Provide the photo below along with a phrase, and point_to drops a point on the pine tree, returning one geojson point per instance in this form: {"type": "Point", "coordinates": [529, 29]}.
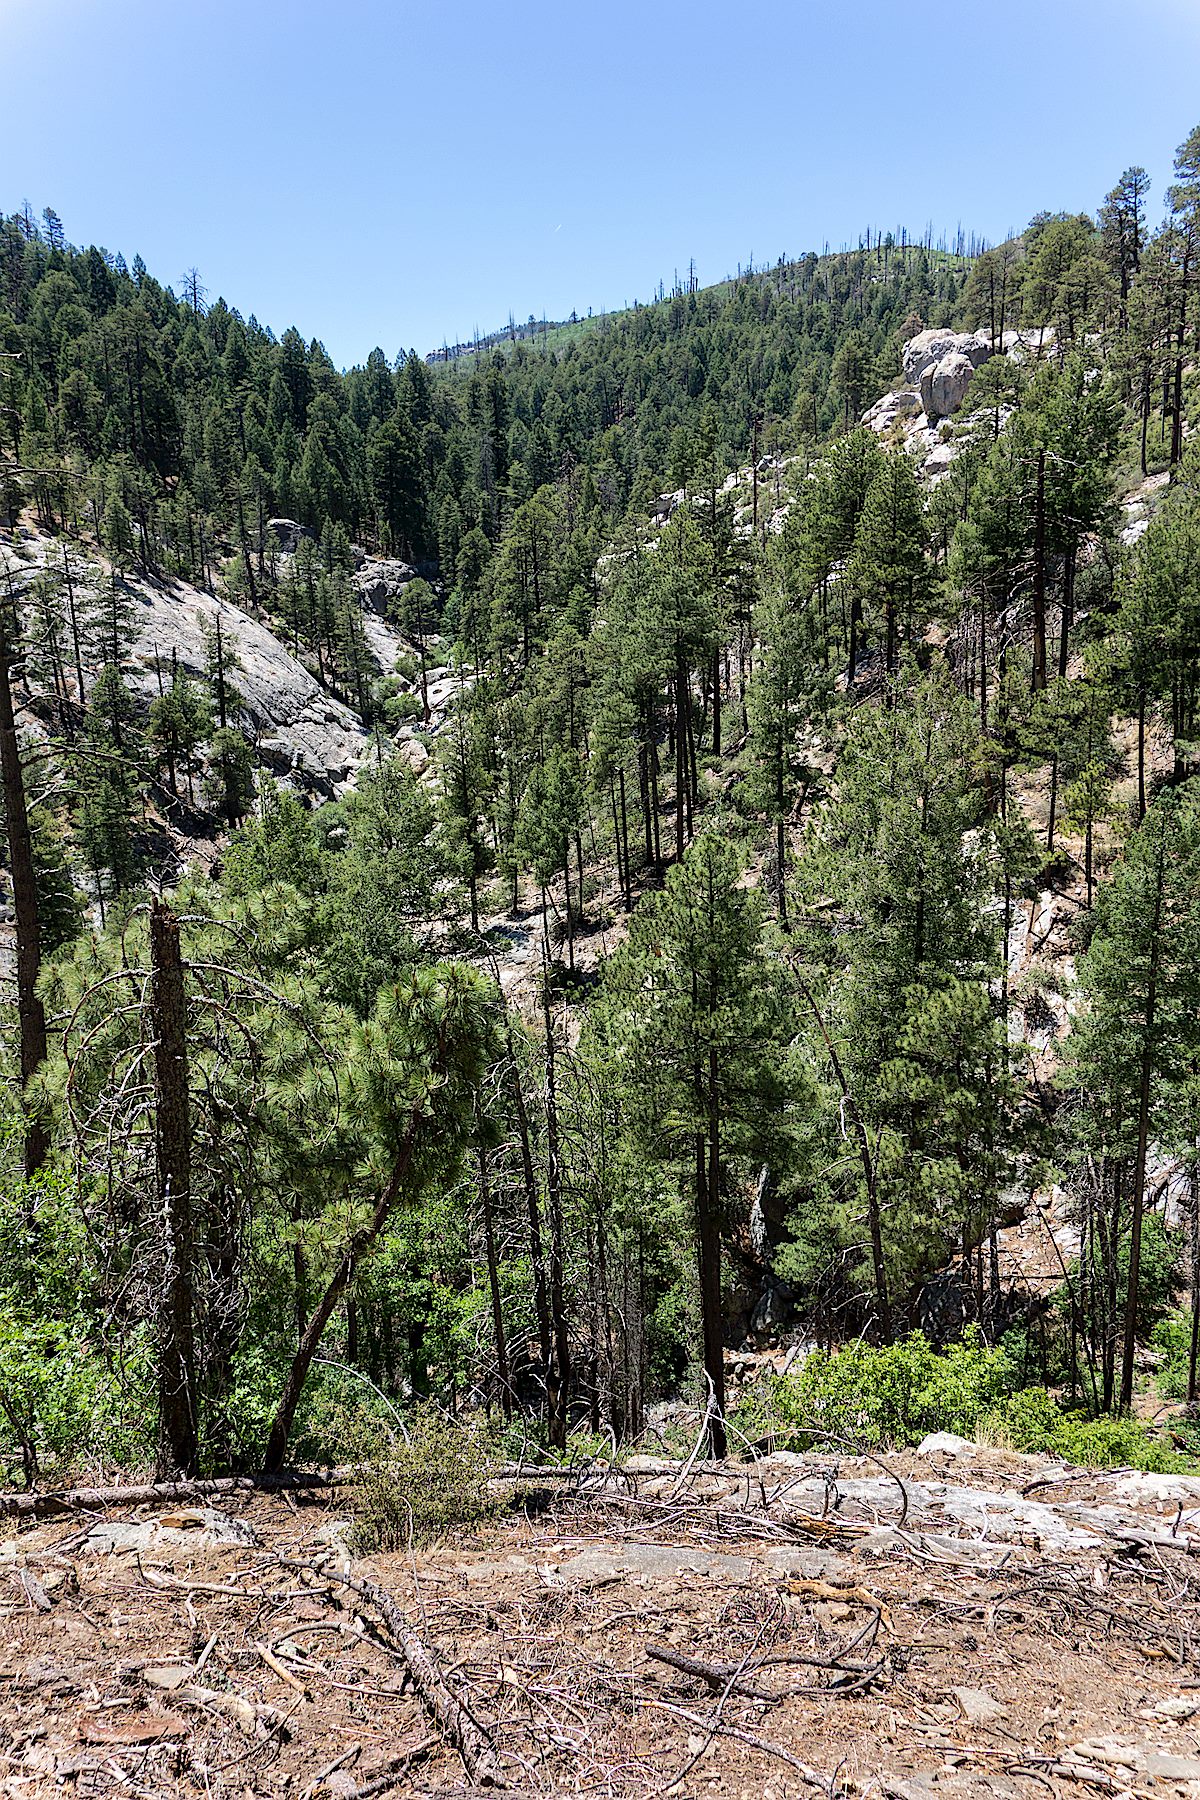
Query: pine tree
{"type": "Point", "coordinates": [694, 1018]}
{"type": "Point", "coordinates": [179, 722]}
{"type": "Point", "coordinates": [888, 568]}
{"type": "Point", "coordinates": [1139, 1038]}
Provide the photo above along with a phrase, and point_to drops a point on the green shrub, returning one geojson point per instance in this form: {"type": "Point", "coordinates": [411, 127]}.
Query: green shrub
{"type": "Point", "coordinates": [1172, 1338]}
{"type": "Point", "coordinates": [414, 1492]}
{"type": "Point", "coordinates": [888, 1395]}
{"type": "Point", "coordinates": [1030, 1420]}
{"type": "Point", "coordinates": [64, 1407]}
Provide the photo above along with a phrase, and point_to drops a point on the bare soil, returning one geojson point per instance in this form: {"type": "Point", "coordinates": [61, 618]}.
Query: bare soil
{"type": "Point", "coordinates": [971, 1623]}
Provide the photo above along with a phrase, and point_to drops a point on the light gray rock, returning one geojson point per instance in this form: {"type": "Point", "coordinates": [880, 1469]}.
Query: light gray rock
{"type": "Point", "coordinates": [190, 1528]}
{"type": "Point", "coordinates": [652, 1562]}
{"type": "Point", "coordinates": [928, 348]}
{"type": "Point", "coordinates": [945, 1443]}
{"type": "Point", "coordinates": [938, 461]}
{"type": "Point", "coordinates": [337, 1533]}
{"type": "Point", "coordinates": [382, 580]}
{"type": "Point", "coordinates": [1138, 1485]}
{"type": "Point", "coordinates": [168, 1676]}
{"type": "Point", "coordinates": [1001, 1515]}
{"type": "Point", "coordinates": [1179, 1708]}
{"type": "Point", "coordinates": [281, 701]}
{"type": "Point", "coordinates": [944, 385]}
{"type": "Point", "coordinates": [1026, 341]}
{"type": "Point", "coordinates": [1161, 1765]}
{"type": "Point", "coordinates": [412, 751]}
{"type": "Point", "coordinates": [893, 407]}
{"type": "Point", "coordinates": [977, 1706]}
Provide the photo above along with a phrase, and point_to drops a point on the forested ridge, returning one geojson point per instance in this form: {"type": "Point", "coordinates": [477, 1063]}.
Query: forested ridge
{"type": "Point", "coordinates": [769, 872]}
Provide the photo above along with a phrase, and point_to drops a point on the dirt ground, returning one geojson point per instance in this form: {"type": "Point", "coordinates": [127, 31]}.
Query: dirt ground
{"type": "Point", "coordinates": [958, 1622]}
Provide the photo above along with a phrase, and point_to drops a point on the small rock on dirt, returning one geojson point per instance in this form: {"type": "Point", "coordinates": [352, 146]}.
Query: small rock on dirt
{"type": "Point", "coordinates": [977, 1706]}
{"type": "Point", "coordinates": [1174, 1709]}
{"type": "Point", "coordinates": [945, 1443]}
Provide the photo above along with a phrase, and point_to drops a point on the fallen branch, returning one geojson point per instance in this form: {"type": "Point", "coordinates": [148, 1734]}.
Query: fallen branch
{"type": "Point", "coordinates": [441, 1693]}
{"type": "Point", "coordinates": [381, 1779]}
{"type": "Point", "coordinates": [811, 1777]}
{"type": "Point", "coordinates": [718, 1676]}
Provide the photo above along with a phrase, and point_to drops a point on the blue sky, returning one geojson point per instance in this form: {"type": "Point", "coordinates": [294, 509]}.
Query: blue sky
{"type": "Point", "coordinates": [398, 174]}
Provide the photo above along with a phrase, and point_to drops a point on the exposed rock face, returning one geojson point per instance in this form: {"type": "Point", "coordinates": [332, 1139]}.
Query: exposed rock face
{"type": "Point", "coordinates": [310, 734]}
{"type": "Point", "coordinates": [881, 417]}
{"type": "Point", "coordinates": [928, 348]}
{"type": "Point", "coordinates": [382, 580]}
{"type": "Point", "coordinates": [938, 369]}
{"type": "Point", "coordinates": [938, 366]}
{"type": "Point", "coordinates": [287, 534]}
{"type": "Point", "coordinates": [944, 384]}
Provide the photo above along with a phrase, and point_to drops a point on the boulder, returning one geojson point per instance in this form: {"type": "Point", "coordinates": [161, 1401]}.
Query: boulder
{"type": "Point", "coordinates": [412, 751]}
{"type": "Point", "coordinates": [944, 385]}
{"type": "Point", "coordinates": [945, 1443]}
{"type": "Point", "coordinates": [281, 701]}
{"type": "Point", "coordinates": [885, 413]}
{"type": "Point", "coordinates": [1028, 341]}
{"type": "Point", "coordinates": [381, 580]}
{"type": "Point", "coordinates": [938, 461]}
{"type": "Point", "coordinates": [928, 348]}
{"type": "Point", "coordinates": [193, 1528]}
{"type": "Point", "coordinates": [287, 534]}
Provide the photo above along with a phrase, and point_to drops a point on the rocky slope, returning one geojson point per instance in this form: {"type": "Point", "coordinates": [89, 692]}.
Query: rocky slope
{"type": "Point", "coordinates": [937, 368]}
{"type": "Point", "coordinates": [302, 734]}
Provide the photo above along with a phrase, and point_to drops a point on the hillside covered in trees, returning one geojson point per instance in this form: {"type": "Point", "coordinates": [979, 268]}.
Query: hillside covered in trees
{"type": "Point", "coordinates": [745, 886]}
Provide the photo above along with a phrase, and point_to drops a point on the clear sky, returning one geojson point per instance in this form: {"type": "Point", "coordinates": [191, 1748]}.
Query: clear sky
{"type": "Point", "coordinates": [398, 174]}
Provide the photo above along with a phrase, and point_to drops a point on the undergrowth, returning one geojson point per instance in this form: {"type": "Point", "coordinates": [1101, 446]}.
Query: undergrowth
{"type": "Point", "coordinates": [890, 1397]}
{"type": "Point", "coordinates": [414, 1490]}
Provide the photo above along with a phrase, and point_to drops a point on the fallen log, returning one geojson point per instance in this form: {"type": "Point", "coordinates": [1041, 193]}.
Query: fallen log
{"type": "Point", "coordinates": [55, 1501]}
{"type": "Point", "coordinates": [65, 1500]}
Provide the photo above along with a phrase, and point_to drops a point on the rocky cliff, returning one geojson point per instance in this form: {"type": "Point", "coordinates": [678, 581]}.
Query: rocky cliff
{"type": "Point", "coordinates": [302, 734]}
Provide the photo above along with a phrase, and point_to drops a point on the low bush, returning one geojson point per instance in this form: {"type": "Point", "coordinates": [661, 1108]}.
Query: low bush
{"type": "Point", "coordinates": [413, 1492]}
{"type": "Point", "coordinates": [1030, 1420]}
{"type": "Point", "coordinates": [890, 1397]}
{"type": "Point", "coordinates": [66, 1410]}
{"type": "Point", "coordinates": [1172, 1338]}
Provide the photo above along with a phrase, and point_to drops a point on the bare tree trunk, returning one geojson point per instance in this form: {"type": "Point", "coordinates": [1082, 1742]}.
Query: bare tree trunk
{"type": "Point", "coordinates": [178, 1438]}
{"type": "Point", "coordinates": [681, 766]}
{"type": "Point", "coordinates": [293, 1387]}
{"type": "Point", "coordinates": [870, 1174]}
{"type": "Point", "coordinates": [30, 1011]}
{"type": "Point", "coordinates": [1194, 1346]}
{"type": "Point", "coordinates": [1143, 1138]}
{"type": "Point", "coordinates": [536, 1254]}
{"type": "Point", "coordinates": [73, 620]}
{"type": "Point", "coordinates": [1039, 578]}
{"type": "Point", "coordinates": [625, 840]}
{"type": "Point", "coordinates": [561, 1358]}
{"type": "Point", "coordinates": [708, 1194]}
{"type": "Point", "coordinates": [489, 1240]}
